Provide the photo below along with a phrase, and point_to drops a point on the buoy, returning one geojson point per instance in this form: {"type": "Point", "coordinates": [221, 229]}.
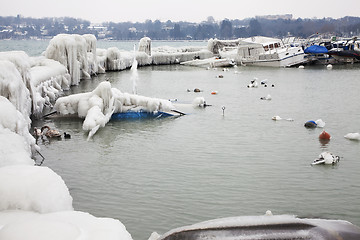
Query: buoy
{"type": "Point", "coordinates": [326, 158]}
{"type": "Point", "coordinates": [310, 124]}
{"type": "Point", "coordinates": [353, 136]}
{"type": "Point", "coordinates": [301, 67]}
{"type": "Point", "coordinates": [329, 66]}
{"type": "Point", "coordinates": [196, 90]}
{"type": "Point", "coordinates": [324, 135]}
{"type": "Point", "coordinates": [276, 118]}
{"type": "Point", "coordinates": [214, 92]}
{"type": "Point", "coordinates": [67, 136]}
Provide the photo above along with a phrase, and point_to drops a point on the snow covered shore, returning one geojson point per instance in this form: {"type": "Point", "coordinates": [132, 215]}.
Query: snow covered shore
{"type": "Point", "coordinates": [34, 197]}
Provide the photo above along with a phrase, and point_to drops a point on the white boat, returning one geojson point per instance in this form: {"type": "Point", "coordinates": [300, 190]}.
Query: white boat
{"type": "Point", "coordinates": [213, 62]}
{"type": "Point", "coordinates": [272, 52]}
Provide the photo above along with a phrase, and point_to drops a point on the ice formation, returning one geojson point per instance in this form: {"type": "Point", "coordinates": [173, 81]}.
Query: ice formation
{"type": "Point", "coordinates": [15, 80]}
{"type": "Point", "coordinates": [49, 78]}
{"type": "Point", "coordinates": [14, 134]}
{"type": "Point", "coordinates": [98, 106]}
{"type": "Point", "coordinates": [134, 74]}
{"type": "Point", "coordinates": [72, 52]}
{"type": "Point", "coordinates": [145, 45]}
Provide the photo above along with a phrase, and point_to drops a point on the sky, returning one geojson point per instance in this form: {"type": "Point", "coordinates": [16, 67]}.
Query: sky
{"type": "Point", "coordinates": [181, 10]}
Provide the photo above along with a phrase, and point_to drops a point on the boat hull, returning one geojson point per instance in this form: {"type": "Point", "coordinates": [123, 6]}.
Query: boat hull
{"type": "Point", "coordinates": [287, 61]}
{"type": "Point", "coordinates": [266, 227]}
{"type": "Point", "coordinates": [141, 115]}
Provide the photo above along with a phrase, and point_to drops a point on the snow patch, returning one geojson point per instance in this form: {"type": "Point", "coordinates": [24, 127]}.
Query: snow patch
{"type": "Point", "coordinates": [33, 188]}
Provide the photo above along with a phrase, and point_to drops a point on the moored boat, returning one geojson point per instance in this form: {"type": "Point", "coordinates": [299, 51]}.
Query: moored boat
{"type": "Point", "coordinates": [272, 52]}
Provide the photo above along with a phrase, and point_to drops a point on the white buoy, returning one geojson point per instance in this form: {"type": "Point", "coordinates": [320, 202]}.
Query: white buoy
{"type": "Point", "coordinates": [276, 118]}
{"type": "Point", "coordinates": [301, 67]}
{"type": "Point", "coordinates": [353, 136]}
{"type": "Point", "coordinates": [268, 213]}
{"type": "Point", "coordinates": [329, 66]}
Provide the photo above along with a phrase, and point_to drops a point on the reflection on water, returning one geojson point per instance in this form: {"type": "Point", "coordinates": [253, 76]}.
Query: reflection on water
{"type": "Point", "coordinates": [155, 175]}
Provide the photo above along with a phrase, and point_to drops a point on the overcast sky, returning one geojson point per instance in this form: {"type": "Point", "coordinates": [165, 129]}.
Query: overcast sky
{"type": "Point", "coordinates": [176, 10]}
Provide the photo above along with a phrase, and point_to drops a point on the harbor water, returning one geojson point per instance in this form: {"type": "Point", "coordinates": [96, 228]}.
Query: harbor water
{"type": "Point", "coordinates": [228, 159]}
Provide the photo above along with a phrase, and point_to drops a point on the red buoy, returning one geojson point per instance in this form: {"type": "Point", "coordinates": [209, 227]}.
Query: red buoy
{"type": "Point", "coordinates": [324, 135]}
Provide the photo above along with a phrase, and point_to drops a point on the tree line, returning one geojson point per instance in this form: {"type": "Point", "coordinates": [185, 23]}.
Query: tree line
{"type": "Point", "coordinates": [19, 27]}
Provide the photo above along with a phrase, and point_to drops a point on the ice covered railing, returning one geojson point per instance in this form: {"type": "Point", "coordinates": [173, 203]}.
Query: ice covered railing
{"type": "Point", "coordinates": [49, 79]}
{"type": "Point", "coordinates": [171, 55]}
{"type": "Point", "coordinates": [113, 59]}
{"type": "Point", "coordinates": [97, 107]}
{"type": "Point", "coordinates": [30, 83]}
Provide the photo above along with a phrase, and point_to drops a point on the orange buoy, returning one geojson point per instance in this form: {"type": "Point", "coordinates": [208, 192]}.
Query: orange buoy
{"type": "Point", "coordinates": [214, 92]}
{"type": "Point", "coordinates": [324, 135]}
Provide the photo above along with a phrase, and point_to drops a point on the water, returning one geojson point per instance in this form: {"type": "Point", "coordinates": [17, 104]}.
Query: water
{"type": "Point", "coordinates": [155, 175]}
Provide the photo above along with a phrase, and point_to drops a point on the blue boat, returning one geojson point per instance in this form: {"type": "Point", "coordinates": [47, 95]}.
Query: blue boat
{"type": "Point", "coordinates": [316, 49]}
{"type": "Point", "coordinates": [144, 115]}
